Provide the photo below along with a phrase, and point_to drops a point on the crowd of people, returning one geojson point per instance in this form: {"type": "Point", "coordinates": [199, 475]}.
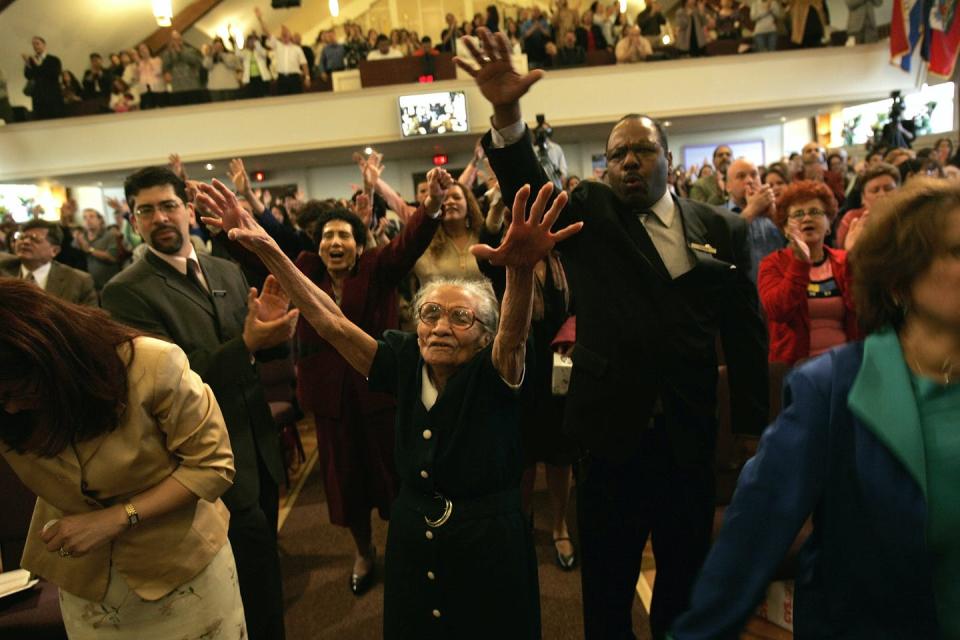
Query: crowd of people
{"type": "Point", "coordinates": [425, 335]}
{"type": "Point", "coordinates": [279, 64]}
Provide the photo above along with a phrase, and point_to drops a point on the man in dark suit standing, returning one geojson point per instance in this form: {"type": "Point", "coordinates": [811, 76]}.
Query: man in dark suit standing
{"type": "Point", "coordinates": [655, 282]}
{"type": "Point", "coordinates": [44, 69]}
{"type": "Point", "coordinates": [202, 304]}
{"type": "Point", "coordinates": [36, 245]}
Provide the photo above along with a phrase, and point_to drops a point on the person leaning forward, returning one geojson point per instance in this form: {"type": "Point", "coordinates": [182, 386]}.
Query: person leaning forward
{"type": "Point", "coordinates": [642, 398]}
{"type": "Point", "coordinates": [203, 305]}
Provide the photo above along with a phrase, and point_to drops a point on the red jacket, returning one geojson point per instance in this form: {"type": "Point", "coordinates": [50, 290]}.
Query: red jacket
{"type": "Point", "coordinates": [782, 281]}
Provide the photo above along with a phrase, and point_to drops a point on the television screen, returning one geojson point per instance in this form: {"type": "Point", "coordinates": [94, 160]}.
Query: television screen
{"type": "Point", "coordinates": [429, 114]}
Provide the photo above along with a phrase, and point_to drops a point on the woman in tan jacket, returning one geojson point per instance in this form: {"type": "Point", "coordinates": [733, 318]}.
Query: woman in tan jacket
{"type": "Point", "coordinates": [128, 452]}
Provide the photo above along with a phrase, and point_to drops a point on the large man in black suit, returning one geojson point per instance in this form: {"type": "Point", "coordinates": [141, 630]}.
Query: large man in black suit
{"type": "Point", "coordinates": [202, 304]}
{"type": "Point", "coordinates": [655, 282]}
{"type": "Point", "coordinates": [44, 69]}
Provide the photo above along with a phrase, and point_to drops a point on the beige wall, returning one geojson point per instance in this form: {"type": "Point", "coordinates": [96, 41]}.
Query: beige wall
{"type": "Point", "coordinates": [348, 120]}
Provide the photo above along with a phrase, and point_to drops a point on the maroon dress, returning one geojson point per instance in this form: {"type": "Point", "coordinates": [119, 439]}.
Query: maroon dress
{"type": "Point", "coordinates": [354, 424]}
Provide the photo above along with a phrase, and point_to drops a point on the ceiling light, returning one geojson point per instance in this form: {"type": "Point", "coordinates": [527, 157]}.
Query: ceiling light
{"type": "Point", "coordinates": [666, 39]}
{"type": "Point", "coordinates": [334, 8]}
{"type": "Point", "coordinates": [163, 12]}
{"type": "Point", "coordinates": [208, 166]}
{"type": "Point", "coordinates": [368, 151]}
{"type": "Point", "coordinates": [783, 118]}
{"type": "Point", "coordinates": [667, 123]}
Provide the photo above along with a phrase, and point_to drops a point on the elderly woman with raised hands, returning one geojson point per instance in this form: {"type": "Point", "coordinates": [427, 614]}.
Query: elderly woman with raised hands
{"type": "Point", "coordinates": [805, 288]}
{"type": "Point", "coordinates": [460, 561]}
{"type": "Point", "coordinates": [867, 444]}
{"type": "Point", "coordinates": [128, 454]}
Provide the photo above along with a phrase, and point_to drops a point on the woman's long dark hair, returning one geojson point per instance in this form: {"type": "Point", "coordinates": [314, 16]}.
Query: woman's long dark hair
{"type": "Point", "coordinates": [69, 355]}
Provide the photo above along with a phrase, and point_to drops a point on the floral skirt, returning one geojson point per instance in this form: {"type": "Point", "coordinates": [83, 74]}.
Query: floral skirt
{"type": "Point", "coordinates": [204, 608]}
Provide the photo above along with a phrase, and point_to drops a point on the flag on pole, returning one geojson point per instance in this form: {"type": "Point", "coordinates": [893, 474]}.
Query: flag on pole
{"type": "Point", "coordinates": [944, 37]}
{"type": "Point", "coordinates": [906, 28]}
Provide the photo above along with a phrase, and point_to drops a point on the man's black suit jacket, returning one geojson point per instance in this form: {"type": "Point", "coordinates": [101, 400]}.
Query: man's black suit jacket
{"type": "Point", "coordinates": [642, 337]}
{"type": "Point", "coordinates": [154, 297]}
{"type": "Point", "coordinates": [47, 98]}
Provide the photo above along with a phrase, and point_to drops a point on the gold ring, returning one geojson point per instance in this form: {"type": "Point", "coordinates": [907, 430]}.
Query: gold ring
{"type": "Point", "coordinates": [63, 553]}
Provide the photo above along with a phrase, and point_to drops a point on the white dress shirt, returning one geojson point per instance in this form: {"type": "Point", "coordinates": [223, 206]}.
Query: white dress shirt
{"type": "Point", "coordinates": [40, 274]}
{"type": "Point", "coordinates": [287, 58]}
{"type": "Point", "coordinates": [664, 224]}
{"type": "Point", "coordinates": [180, 263]}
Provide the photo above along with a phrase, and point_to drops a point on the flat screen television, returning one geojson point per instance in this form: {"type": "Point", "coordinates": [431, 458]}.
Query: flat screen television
{"type": "Point", "coordinates": [433, 114]}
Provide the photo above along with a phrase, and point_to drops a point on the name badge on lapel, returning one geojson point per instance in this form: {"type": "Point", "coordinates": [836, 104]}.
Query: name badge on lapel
{"type": "Point", "coordinates": [705, 248]}
{"type": "Point", "coordinates": [219, 293]}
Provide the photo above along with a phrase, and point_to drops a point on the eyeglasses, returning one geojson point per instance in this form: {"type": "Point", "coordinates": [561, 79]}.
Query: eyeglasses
{"type": "Point", "coordinates": [641, 151]}
{"type": "Point", "coordinates": [799, 214]}
{"type": "Point", "coordinates": [36, 238]}
{"type": "Point", "coordinates": [459, 317]}
{"type": "Point", "coordinates": [167, 207]}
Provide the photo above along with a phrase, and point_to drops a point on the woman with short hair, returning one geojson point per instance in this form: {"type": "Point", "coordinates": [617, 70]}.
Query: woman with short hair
{"type": "Point", "coordinates": [128, 454]}
{"type": "Point", "coordinates": [867, 445]}
{"type": "Point", "coordinates": [460, 561]}
{"type": "Point", "coordinates": [805, 288]}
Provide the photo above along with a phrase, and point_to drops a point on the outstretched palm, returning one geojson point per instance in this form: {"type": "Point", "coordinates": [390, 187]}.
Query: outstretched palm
{"type": "Point", "coordinates": [232, 217]}
{"type": "Point", "coordinates": [496, 78]}
{"type": "Point", "coordinates": [528, 239]}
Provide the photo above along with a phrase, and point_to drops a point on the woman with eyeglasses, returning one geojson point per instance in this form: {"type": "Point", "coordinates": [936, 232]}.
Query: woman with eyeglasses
{"type": "Point", "coordinates": [805, 288]}
{"type": "Point", "coordinates": [867, 447]}
{"type": "Point", "coordinates": [460, 561]}
{"type": "Point", "coordinates": [355, 424]}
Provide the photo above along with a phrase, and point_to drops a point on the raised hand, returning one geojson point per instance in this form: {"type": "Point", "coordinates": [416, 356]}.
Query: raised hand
{"type": "Point", "coordinates": [801, 250]}
{"type": "Point", "coordinates": [856, 228]}
{"type": "Point", "coordinates": [495, 76]}
{"type": "Point", "coordinates": [363, 207]}
{"type": "Point", "coordinates": [528, 239]}
{"type": "Point", "coordinates": [268, 323]}
{"type": "Point", "coordinates": [438, 181]}
{"type": "Point", "coordinates": [118, 205]}
{"type": "Point", "coordinates": [239, 224]}
{"type": "Point", "coordinates": [238, 175]}
{"type": "Point", "coordinates": [371, 170]}
{"type": "Point", "coordinates": [176, 165]}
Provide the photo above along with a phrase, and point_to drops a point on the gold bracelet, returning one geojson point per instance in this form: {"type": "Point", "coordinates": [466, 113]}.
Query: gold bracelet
{"type": "Point", "coordinates": [132, 516]}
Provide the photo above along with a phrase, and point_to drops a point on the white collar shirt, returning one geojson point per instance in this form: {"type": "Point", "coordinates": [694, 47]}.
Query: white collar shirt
{"type": "Point", "coordinates": [665, 228]}
{"type": "Point", "coordinates": [288, 58]}
{"type": "Point", "coordinates": [40, 274]}
{"type": "Point", "coordinates": [180, 263]}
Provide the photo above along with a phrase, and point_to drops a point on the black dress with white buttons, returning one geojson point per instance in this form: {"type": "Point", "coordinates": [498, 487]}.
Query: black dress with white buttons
{"type": "Point", "coordinates": [475, 575]}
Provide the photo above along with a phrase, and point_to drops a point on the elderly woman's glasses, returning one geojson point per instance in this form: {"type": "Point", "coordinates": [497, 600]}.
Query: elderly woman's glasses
{"type": "Point", "coordinates": [459, 317]}
{"type": "Point", "coordinates": [800, 214]}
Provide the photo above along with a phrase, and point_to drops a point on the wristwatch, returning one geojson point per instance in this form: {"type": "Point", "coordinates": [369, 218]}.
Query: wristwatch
{"type": "Point", "coordinates": [132, 516]}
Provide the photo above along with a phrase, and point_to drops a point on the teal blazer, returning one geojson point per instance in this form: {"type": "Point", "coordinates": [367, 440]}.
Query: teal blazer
{"type": "Point", "coordinates": [848, 450]}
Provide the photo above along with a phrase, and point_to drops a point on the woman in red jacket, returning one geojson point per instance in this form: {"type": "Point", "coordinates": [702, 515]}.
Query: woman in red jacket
{"type": "Point", "coordinates": [805, 288]}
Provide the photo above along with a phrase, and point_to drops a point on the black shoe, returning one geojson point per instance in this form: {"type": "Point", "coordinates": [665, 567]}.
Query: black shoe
{"type": "Point", "coordinates": [359, 585]}
{"type": "Point", "coordinates": [566, 563]}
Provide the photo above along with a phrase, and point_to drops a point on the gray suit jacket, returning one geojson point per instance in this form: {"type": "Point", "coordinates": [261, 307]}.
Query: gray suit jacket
{"type": "Point", "coordinates": [63, 282]}
{"type": "Point", "coordinates": [153, 296]}
{"type": "Point", "coordinates": [861, 15]}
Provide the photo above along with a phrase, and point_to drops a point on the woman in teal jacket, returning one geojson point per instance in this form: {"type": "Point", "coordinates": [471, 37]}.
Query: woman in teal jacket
{"type": "Point", "coordinates": [868, 444]}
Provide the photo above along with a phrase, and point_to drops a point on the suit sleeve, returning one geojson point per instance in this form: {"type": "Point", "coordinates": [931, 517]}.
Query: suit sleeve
{"type": "Point", "coordinates": [777, 490]}
{"type": "Point", "coordinates": [516, 165]}
{"type": "Point", "coordinates": [783, 291]}
{"type": "Point", "coordinates": [196, 434]}
{"type": "Point", "coordinates": [225, 365]}
{"type": "Point", "coordinates": [743, 334]}
{"type": "Point", "coordinates": [88, 293]}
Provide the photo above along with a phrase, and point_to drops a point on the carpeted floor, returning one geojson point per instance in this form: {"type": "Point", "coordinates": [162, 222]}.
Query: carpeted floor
{"type": "Point", "coordinates": [317, 558]}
